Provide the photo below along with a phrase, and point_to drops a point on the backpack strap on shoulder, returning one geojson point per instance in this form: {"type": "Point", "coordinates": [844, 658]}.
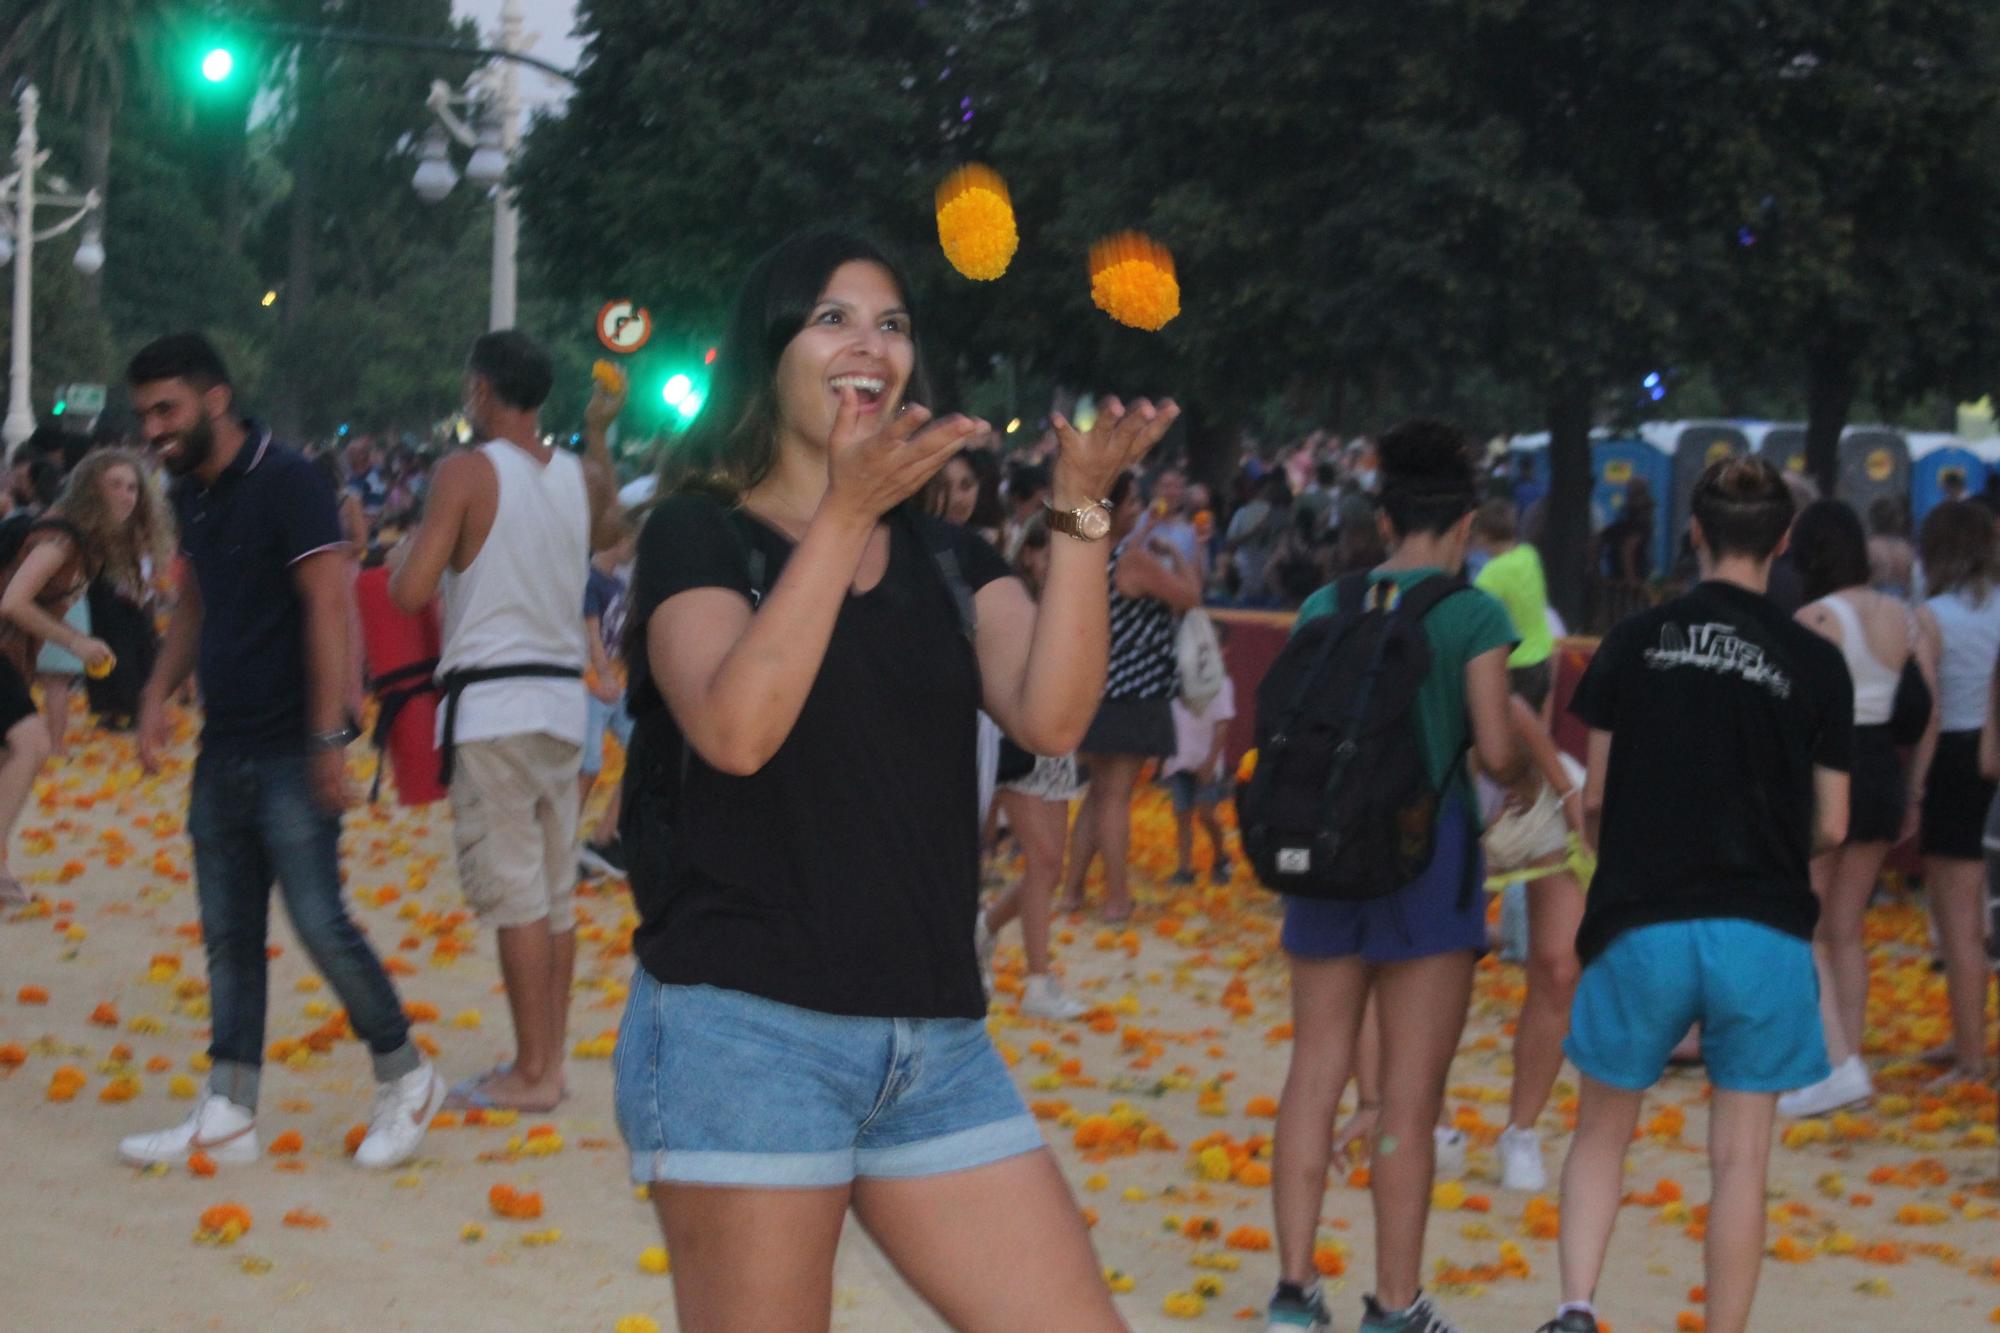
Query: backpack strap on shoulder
{"type": "Point", "coordinates": [936, 536]}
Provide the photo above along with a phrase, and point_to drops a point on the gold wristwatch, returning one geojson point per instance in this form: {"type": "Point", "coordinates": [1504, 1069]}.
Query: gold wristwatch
{"type": "Point", "coordinates": [1090, 523]}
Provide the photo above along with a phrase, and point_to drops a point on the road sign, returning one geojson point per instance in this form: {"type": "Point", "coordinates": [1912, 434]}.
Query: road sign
{"type": "Point", "coordinates": [623, 326]}
{"type": "Point", "coordinates": [87, 399]}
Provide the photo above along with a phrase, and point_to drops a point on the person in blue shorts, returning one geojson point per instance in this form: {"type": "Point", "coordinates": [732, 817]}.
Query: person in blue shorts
{"type": "Point", "coordinates": [1415, 947]}
{"type": "Point", "coordinates": [1720, 736]}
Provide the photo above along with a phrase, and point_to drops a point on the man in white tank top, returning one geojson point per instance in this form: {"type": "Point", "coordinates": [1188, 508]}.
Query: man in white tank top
{"type": "Point", "coordinates": [507, 535]}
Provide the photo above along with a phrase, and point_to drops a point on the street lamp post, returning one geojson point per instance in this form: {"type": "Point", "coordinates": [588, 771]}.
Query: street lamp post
{"type": "Point", "coordinates": [17, 241]}
{"type": "Point", "coordinates": [494, 139]}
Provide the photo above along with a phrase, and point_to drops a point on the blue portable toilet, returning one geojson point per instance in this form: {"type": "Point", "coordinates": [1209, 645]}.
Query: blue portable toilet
{"type": "Point", "coordinates": [1942, 465]}
{"type": "Point", "coordinates": [1781, 443]}
{"type": "Point", "coordinates": [1874, 462]}
{"type": "Point", "coordinates": [1614, 465]}
{"type": "Point", "coordinates": [1690, 447]}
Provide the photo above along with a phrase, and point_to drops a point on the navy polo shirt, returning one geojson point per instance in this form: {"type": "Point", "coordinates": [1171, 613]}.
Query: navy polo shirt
{"type": "Point", "coordinates": [268, 510]}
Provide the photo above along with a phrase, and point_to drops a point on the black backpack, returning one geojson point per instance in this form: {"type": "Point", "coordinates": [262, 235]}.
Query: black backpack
{"type": "Point", "coordinates": [656, 762]}
{"type": "Point", "coordinates": [1341, 805]}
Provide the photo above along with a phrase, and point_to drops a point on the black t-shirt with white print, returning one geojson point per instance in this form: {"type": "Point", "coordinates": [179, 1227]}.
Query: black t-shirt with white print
{"type": "Point", "coordinates": [1719, 707]}
{"type": "Point", "coordinates": [843, 876]}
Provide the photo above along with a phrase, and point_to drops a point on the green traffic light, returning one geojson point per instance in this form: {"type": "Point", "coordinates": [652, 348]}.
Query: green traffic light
{"type": "Point", "coordinates": [690, 406]}
{"type": "Point", "coordinates": [62, 406]}
{"type": "Point", "coordinates": [218, 65]}
{"type": "Point", "coordinates": [676, 390]}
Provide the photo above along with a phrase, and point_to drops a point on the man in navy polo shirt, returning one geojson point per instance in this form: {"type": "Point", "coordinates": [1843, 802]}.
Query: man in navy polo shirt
{"type": "Point", "coordinates": [263, 618]}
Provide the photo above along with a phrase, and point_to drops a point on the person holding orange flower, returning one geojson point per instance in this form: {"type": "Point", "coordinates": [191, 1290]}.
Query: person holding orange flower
{"type": "Point", "coordinates": [805, 1033]}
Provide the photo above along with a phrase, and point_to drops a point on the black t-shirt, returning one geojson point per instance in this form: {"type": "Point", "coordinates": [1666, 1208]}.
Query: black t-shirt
{"type": "Point", "coordinates": [1719, 707]}
{"type": "Point", "coordinates": [842, 876]}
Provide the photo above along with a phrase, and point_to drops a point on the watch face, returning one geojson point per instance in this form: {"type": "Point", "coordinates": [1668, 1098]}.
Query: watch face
{"type": "Point", "coordinates": [1095, 523]}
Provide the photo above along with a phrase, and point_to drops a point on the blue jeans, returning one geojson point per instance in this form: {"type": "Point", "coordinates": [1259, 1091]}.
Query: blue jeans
{"type": "Point", "coordinates": [253, 820]}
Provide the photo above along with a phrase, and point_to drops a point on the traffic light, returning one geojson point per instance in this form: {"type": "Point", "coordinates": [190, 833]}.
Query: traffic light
{"type": "Point", "coordinates": [217, 64]}
{"type": "Point", "coordinates": [62, 406]}
{"type": "Point", "coordinates": [684, 393]}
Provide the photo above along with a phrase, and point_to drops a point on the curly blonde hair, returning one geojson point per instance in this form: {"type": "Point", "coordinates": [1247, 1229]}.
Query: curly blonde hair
{"type": "Point", "coordinates": [110, 549]}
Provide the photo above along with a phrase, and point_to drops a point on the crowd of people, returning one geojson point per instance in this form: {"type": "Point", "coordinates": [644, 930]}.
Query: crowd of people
{"type": "Point", "coordinates": [846, 645]}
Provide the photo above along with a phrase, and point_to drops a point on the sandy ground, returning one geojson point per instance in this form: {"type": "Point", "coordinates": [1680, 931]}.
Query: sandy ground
{"type": "Point", "coordinates": [1889, 1219]}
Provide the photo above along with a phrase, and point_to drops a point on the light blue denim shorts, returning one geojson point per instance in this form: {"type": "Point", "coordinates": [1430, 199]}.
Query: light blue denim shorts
{"type": "Point", "coordinates": [718, 1087]}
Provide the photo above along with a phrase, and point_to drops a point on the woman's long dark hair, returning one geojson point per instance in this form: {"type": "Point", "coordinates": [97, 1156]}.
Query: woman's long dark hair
{"type": "Point", "coordinates": [1831, 549]}
{"type": "Point", "coordinates": [733, 444]}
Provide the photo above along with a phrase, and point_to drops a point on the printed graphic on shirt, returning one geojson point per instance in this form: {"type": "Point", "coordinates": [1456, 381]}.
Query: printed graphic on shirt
{"type": "Point", "coordinates": [1718, 647]}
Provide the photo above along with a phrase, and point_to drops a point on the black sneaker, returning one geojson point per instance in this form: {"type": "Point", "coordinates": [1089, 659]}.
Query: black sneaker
{"type": "Point", "coordinates": [1296, 1310]}
{"type": "Point", "coordinates": [1576, 1321]}
{"type": "Point", "coordinates": [1421, 1317]}
{"type": "Point", "coordinates": [605, 858]}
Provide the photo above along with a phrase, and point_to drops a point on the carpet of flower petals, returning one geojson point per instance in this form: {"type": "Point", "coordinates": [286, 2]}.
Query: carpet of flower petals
{"type": "Point", "coordinates": [1159, 1106]}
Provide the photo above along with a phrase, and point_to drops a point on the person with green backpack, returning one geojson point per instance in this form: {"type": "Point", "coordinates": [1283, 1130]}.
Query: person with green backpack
{"type": "Point", "coordinates": [1360, 811]}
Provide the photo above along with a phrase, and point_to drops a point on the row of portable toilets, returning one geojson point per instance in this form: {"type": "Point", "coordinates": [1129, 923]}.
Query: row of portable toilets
{"type": "Point", "coordinates": [1922, 468]}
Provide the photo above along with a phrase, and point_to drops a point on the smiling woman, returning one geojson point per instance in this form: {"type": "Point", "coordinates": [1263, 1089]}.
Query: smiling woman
{"type": "Point", "coordinates": [809, 653]}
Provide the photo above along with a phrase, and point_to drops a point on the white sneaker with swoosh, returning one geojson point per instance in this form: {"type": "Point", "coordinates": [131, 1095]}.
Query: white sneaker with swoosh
{"type": "Point", "coordinates": [218, 1127]}
{"type": "Point", "coordinates": [400, 1117]}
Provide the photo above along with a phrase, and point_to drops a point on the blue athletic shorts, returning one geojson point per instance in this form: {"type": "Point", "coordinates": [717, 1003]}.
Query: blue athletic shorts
{"type": "Point", "coordinates": [604, 716]}
{"type": "Point", "coordinates": [1752, 989]}
{"type": "Point", "coordinates": [718, 1087]}
{"type": "Point", "coordinates": [1432, 914]}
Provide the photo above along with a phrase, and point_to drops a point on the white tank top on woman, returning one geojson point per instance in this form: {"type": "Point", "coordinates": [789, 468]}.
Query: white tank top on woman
{"type": "Point", "coordinates": [1971, 633]}
{"type": "Point", "coordinates": [521, 601]}
{"type": "Point", "coordinates": [1874, 683]}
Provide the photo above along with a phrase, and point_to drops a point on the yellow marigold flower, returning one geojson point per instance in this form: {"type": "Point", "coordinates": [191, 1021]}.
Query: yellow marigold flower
{"type": "Point", "coordinates": [654, 1259]}
{"type": "Point", "coordinates": [1208, 1286]}
{"type": "Point", "coordinates": [1183, 1305]}
{"type": "Point", "coordinates": [1118, 1280]}
{"type": "Point", "coordinates": [471, 1232]}
{"type": "Point", "coordinates": [1213, 1163]}
{"type": "Point", "coordinates": [975, 221]}
{"type": "Point", "coordinates": [636, 1323]}
{"type": "Point", "coordinates": [1132, 280]}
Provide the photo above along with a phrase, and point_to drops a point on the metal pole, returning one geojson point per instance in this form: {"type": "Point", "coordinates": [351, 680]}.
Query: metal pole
{"type": "Point", "coordinates": [20, 423]}
{"type": "Point", "coordinates": [506, 215]}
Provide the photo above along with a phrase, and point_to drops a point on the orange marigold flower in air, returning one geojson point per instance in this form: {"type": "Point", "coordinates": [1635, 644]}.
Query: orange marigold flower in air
{"type": "Point", "coordinates": [105, 1015]}
{"type": "Point", "coordinates": [1248, 1238]}
{"type": "Point", "coordinates": [1263, 1108]}
{"type": "Point", "coordinates": [287, 1143]}
{"type": "Point", "coordinates": [32, 995]}
{"type": "Point", "coordinates": [352, 1142]}
{"type": "Point", "coordinates": [975, 222]}
{"type": "Point", "coordinates": [200, 1164]}
{"type": "Point", "coordinates": [12, 1055]}
{"type": "Point", "coordinates": [1329, 1260]}
{"type": "Point", "coordinates": [1132, 280]}
{"type": "Point", "coordinates": [305, 1219]}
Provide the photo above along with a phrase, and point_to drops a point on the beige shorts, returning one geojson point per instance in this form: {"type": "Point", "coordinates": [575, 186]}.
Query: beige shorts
{"type": "Point", "coordinates": [514, 815]}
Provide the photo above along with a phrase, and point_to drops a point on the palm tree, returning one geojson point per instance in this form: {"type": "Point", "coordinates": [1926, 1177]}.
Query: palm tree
{"type": "Point", "coordinates": [88, 56]}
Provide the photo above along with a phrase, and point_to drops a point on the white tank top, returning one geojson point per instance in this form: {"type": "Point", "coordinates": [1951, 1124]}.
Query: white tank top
{"type": "Point", "coordinates": [1874, 684]}
{"type": "Point", "coordinates": [1971, 642]}
{"type": "Point", "coordinates": [521, 601]}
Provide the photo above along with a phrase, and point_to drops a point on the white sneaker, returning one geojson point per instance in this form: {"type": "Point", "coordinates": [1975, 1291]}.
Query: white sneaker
{"type": "Point", "coordinates": [400, 1117]}
{"type": "Point", "coordinates": [1521, 1161]}
{"type": "Point", "coordinates": [218, 1127]}
{"type": "Point", "coordinates": [1847, 1085]}
{"type": "Point", "coordinates": [1043, 997]}
{"type": "Point", "coordinates": [1450, 1156]}
{"type": "Point", "coordinates": [983, 939]}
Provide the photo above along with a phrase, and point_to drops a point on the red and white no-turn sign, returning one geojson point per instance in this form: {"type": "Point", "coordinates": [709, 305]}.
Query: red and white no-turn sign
{"type": "Point", "coordinates": [623, 326]}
